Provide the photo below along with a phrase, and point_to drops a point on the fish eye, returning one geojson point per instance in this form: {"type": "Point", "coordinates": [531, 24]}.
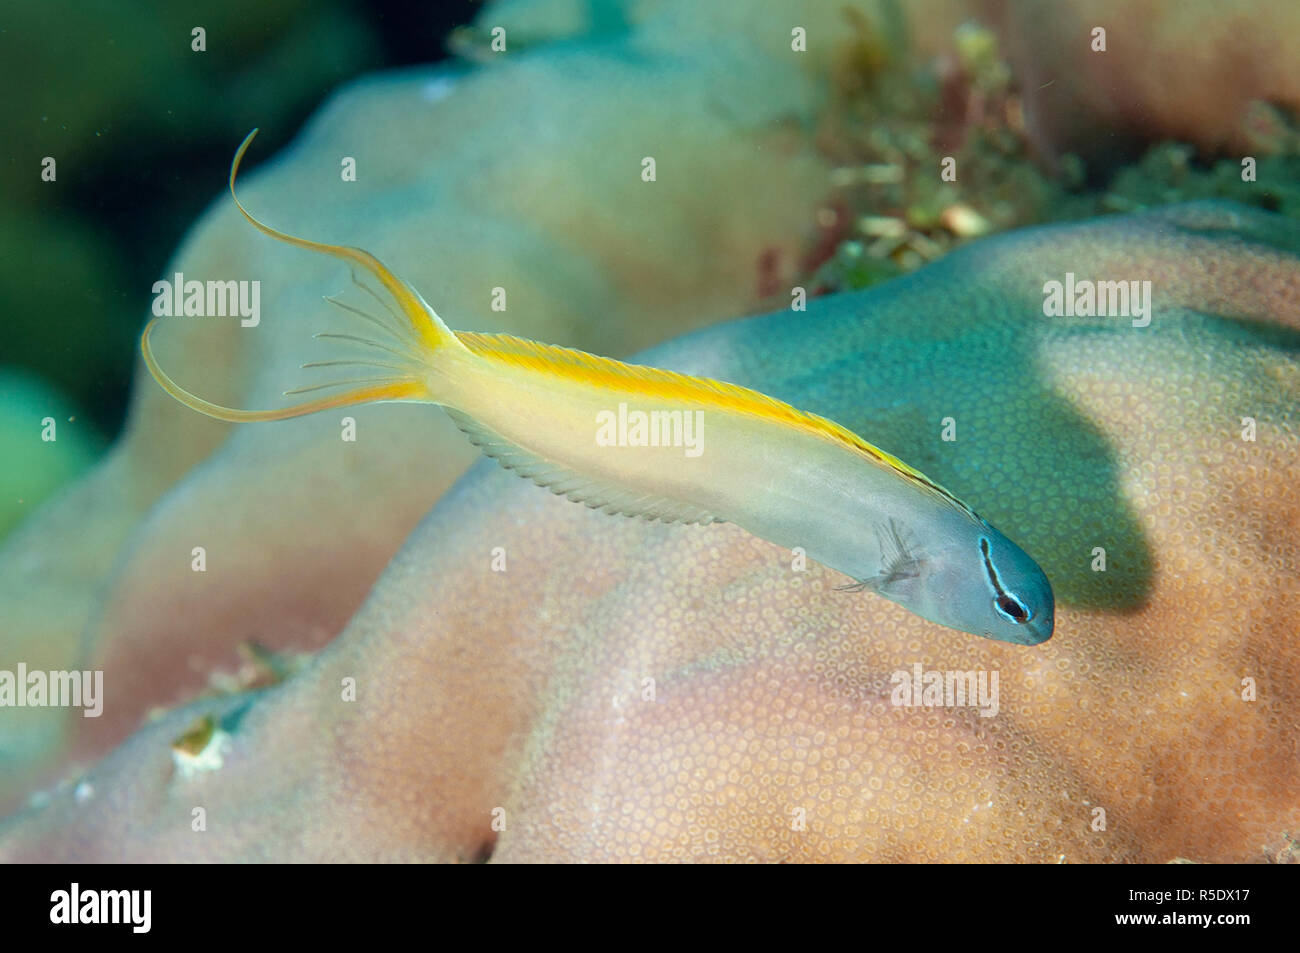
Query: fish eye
{"type": "Point", "coordinates": [1012, 608]}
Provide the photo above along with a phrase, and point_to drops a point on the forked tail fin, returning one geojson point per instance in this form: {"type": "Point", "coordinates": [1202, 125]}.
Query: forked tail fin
{"type": "Point", "coordinates": [379, 389]}
{"type": "Point", "coordinates": [415, 335]}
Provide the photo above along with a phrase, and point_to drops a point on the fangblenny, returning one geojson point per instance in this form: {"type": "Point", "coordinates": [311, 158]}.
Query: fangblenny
{"type": "Point", "coordinates": [641, 441]}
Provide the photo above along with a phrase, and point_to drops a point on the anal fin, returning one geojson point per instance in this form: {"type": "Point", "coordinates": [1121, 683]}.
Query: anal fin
{"type": "Point", "coordinates": [563, 481]}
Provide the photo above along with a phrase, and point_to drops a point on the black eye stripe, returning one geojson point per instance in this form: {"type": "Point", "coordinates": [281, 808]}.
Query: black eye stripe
{"type": "Point", "coordinates": [1006, 603]}
{"type": "Point", "coordinates": [988, 568]}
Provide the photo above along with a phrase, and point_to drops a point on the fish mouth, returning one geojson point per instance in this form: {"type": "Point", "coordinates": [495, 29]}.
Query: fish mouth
{"type": "Point", "coordinates": [1028, 634]}
{"type": "Point", "coordinates": [1036, 633]}
{"type": "Point", "coordinates": [1036, 637]}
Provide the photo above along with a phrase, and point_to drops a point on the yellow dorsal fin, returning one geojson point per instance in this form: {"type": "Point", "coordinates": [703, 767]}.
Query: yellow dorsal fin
{"type": "Point", "coordinates": [652, 381]}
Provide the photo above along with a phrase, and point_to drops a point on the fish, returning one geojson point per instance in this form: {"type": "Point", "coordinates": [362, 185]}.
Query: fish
{"type": "Point", "coordinates": [639, 441]}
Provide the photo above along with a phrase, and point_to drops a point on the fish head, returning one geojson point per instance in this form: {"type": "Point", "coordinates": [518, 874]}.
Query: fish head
{"type": "Point", "coordinates": [978, 581]}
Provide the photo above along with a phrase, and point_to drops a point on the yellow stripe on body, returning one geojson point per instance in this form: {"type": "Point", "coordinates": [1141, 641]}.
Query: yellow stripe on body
{"type": "Point", "coordinates": [604, 373]}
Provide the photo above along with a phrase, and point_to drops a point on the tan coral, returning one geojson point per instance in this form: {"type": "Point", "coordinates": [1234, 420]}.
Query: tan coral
{"type": "Point", "coordinates": [519, 699]}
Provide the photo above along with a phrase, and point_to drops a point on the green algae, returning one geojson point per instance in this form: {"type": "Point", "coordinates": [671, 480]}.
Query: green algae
{"type": "Point", "coordinates": [895, 122]}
